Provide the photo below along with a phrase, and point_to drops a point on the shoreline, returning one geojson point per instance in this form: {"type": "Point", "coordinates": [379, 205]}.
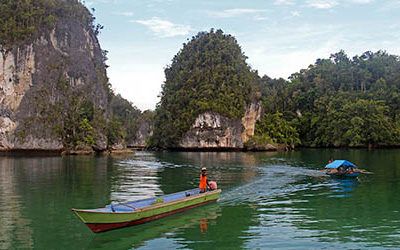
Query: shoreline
{"type": "Point", "coordinates": [130, 150]}
{"type": "Point", "coordinates": [58, 152]}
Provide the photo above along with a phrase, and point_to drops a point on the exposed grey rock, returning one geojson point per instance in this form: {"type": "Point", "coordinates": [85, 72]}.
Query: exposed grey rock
{"type": "Point", "coordinates": [251, 116]}
{"type": "Point", "coordinates": [118, 146]}
{"type": "Point", "coordinates": [214, 131]}
{"type": "Point", "coordinates": [144, 132]}
{"type": "Point", "coordinates": [101, 143]}
{"type": "Point", "coordinates": [71, 51]}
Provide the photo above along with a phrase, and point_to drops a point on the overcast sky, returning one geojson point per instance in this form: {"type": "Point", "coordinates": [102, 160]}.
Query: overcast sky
{"type": "Point", "coordinates": [280, 37]}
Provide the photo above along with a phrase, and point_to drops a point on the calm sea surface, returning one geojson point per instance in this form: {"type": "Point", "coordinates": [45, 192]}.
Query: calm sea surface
{"type": "Point", "coordinates": [269, 200]}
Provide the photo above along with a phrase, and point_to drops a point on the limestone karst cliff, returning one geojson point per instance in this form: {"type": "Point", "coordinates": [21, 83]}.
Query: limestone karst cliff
{"type": "Point", "coordinates": [144, 130]}
{"type": "Point", "coordinates": [210, 99]}
{"type": "Point", "coordinates": [54, 90]}
{"type": "Point", "coordinates": [214, 131]}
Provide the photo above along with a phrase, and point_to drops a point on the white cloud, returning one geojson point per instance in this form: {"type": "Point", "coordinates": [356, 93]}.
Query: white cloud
{"type": "Point", "coordinates": [235, 12]}
{"type": "Point", "coordinates": [322, 4]}
{"type": "Point", "coordinates": [290, 59]}
{"type": "Point", "coordinates": [295, 13]}
{"type": "Point", "coordinates": [329, 4]}
{"type": "Point", "coordinates": [362, 1]}
{"type": "Point", "coordinates": [260, 18]}
{"type": "Point", "coordinates": [284, 2]}
{"type": "Point", "coordinates": [165, 28]}
{"type": "Point", "coordinates": [144, 78]}
{"type": "Point", "coordinates": [127, 13]}
{"type": "Point", "coordinates": [295, 47]}
{"type": "Point", "coordinates": [91, 3]}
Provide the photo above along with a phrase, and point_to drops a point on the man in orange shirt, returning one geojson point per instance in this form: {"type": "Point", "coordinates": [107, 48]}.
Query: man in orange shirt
{"type": "Point", "coordinates": [203, 181]}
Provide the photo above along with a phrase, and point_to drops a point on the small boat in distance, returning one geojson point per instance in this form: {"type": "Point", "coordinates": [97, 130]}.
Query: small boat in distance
{"type": "Point", "coordinates": [342, 169]}
{"type": "Point", "coordinates": [141, 211]}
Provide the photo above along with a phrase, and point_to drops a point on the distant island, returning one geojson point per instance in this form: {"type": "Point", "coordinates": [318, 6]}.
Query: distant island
{"type": "Point", "coordinates": [213, 99]}
{"type": "Point", "coordinates": [55, 94]}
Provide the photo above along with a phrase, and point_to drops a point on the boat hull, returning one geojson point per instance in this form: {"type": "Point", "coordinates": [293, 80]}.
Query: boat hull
{"type": "Point", "coordinates": [341, 176]}
{"type": "Point", "coordinates": [102, 227]}
{"type": "Point", "coordinates": [104, 221]}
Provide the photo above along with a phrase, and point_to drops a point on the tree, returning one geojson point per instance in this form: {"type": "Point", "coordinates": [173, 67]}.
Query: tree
{"type": "Point", "coordinates": [24, 19]}
{"type": "Point", "coordinates": [341, 101]}
{"type": "Point", "coordinates": [209, 73]}
{"type": "Point", "coordinates": [276, 128]}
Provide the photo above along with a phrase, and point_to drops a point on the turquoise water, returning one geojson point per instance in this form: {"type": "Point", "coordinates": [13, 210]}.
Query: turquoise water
{"type": "Point", "coordinates": [269, 200]}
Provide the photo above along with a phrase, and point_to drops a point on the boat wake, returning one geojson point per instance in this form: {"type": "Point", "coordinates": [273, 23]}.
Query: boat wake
{"type": "Point", "coordinates": [277, 180]}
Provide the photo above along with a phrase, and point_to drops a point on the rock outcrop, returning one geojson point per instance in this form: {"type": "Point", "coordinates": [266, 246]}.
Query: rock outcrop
{"type": "Point", "coordinates": [143, 134]}
{"type": "Point", "coordinates": [30, 76]}
{"type": "Point", "coordinates": [213, 131]}
{"type": "Point", "coordinates": [251, 116]}
{"type": "Point", "coordinates": [144, 130]}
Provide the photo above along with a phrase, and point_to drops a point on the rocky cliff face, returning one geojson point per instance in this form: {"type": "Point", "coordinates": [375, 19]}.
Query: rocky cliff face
{"type": "Point", "coordinates": [144, 132]}
{"type": "Point", "coordinates": [30, 77]}
{"type": "Point", "coordinates": [214, 131]}
{"type": "Point", "coordinates": [251, 116]}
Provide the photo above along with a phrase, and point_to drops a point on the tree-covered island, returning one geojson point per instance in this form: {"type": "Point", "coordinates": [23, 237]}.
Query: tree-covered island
{"type": "Point", "coordinates": [55, 93]}
{"type": "Point", "coordinates": [335, 102]}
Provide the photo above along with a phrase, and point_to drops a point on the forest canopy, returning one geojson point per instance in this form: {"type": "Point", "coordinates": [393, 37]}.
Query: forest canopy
{"type": "Point", "coordinates": [209, 73]}
{"type": "Point", "coordinates": [341, 101]}
{"type": "Point", "coordinates": [21, 20]}
{"type": "Point", "coordinates": [335, 102]}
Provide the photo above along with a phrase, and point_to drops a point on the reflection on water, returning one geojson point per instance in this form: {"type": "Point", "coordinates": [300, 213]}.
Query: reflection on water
{"type": "Point", "coordinates": [14, 226]}
{"type": "Point", "coordinates": [229, 169]}
{"type": "Point", "coordinates": [203, 225]}
{"type": "Point", "coordinates": [136, 178]}
{"type": "Point", "coordinates": [269, 200]}
{"type": "Point", "coordinates": [166, 229]}
{"type": "Point", "coordinates": [343, 188]}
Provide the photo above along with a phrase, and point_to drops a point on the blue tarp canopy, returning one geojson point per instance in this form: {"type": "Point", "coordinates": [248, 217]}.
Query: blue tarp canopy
{"type": "Point", "coordinates": [339, 163]}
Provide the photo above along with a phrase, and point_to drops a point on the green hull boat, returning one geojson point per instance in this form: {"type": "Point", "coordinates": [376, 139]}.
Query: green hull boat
{"type": "Point", "coordinates": [142, 211]}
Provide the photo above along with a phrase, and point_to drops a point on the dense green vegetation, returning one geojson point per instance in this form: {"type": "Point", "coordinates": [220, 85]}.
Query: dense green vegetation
{"type": "Point", "coordinates": [78, 122]}
{"type": "Point", "coordinates": [272, 128]}
{"type": "Point", "coordinates": [23, 19]}
{"type": "Point", "coordinates": [72, 118]}
{"type": "Point", "coordinates": [336, 102]}
{"type": "Point", "coordinates": [209, 73]}
{"type": "Point", "coordinates": [124, 121]}
{"type": "Point", "coordinates": [59, 110]}
{"type": "Point", "coordinates": [341, 101]}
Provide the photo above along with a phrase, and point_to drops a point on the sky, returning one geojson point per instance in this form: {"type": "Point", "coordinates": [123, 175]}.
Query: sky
{"type": "Point", "coordinates": [279, 37]}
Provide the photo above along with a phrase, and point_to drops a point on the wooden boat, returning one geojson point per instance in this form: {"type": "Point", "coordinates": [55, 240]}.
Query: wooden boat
{"type": "Point", "coordinates": [342, 169]}
{"type": "Point", "coordinates": [141, 211]}
{"type": "Point", "coordinates": [344, 175]}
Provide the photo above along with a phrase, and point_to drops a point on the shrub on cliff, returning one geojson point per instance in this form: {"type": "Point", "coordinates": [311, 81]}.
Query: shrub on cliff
{"type": "Point", "coordinates": [23, 19]}
{"type": "Point", "coordinates": [209, 73]}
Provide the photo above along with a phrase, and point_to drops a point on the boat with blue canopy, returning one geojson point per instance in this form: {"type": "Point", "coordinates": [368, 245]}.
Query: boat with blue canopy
{"type": "Point", "coordinates": [342, 169]}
